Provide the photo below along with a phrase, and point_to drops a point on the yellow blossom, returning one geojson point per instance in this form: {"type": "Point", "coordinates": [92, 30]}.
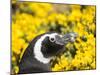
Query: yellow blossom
{"type": "Point", "coordinates": [32, 19]}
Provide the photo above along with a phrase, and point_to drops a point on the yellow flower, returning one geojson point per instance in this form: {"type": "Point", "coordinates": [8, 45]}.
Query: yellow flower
{"type": "Point", "coordinates": [32, 19]}
{"type": "Point", "coordinates": [56, 68]}
{"type": "Point", "coordinates": [93, 65]}
{"type": "Point", "coordinates": [13, 58]}
{"type": "Point", "coordinates": [16, 69]}
{"type": "Point", "coordinates": [13, 1]}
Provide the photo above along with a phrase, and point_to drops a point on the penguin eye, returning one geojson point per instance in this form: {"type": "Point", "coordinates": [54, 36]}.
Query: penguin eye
{"type": "Point", "coordinates": [52, 39]}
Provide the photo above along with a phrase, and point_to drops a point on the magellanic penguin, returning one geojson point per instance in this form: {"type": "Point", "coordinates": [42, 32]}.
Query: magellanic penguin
{"type": "Point", "coordinates": [37, 56]}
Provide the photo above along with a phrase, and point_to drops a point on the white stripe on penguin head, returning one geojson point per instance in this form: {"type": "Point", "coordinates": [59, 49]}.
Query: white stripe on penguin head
{"type": "Point", "coordinates": [37, 49]}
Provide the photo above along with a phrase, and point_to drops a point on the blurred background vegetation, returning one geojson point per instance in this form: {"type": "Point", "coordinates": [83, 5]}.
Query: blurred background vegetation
{"type": "Point", "coordinates": [30, 19]}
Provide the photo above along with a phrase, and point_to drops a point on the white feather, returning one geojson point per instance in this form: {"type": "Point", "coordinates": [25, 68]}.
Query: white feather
{"type": "Point", "coordinates": [37, 49]}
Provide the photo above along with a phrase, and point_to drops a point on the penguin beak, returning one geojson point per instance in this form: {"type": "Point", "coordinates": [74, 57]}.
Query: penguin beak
{"type": "Point", "coordinates": [70, 37]}
{"type": "Point", "coordinates": [64, 39]}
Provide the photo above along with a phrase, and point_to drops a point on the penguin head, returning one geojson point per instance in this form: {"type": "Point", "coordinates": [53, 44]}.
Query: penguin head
{"type": "Point", "coordinates": [51, 44]}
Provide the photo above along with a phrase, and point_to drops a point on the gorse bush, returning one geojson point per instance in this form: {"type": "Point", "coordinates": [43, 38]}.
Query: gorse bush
{"type": "Point", "coordinates": [30, 19]}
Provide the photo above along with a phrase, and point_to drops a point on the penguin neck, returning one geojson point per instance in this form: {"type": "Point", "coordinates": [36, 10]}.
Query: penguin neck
{"type": "Point", "coordinates": [38, 53]}
{"type": "Point", "coordinates": [42, 59]}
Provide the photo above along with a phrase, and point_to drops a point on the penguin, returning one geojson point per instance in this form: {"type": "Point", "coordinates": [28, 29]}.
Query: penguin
{"type": "Point", "coordinates": [41, 50]}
